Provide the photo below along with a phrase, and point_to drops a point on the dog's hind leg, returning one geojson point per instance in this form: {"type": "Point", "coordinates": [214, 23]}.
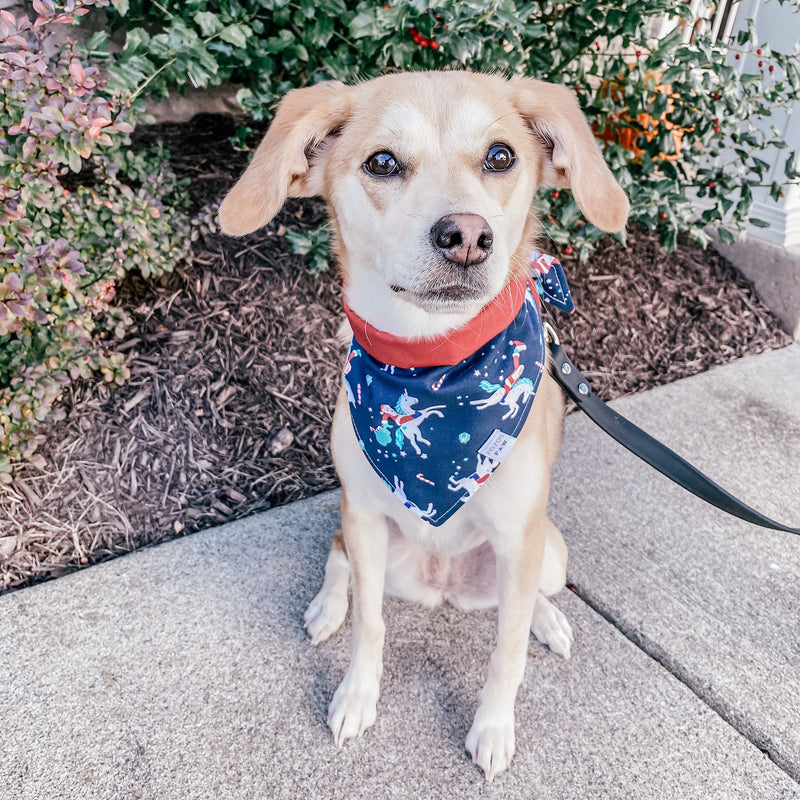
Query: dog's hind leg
{"type": "Point", "coordinates": [549, 625]}
{"type": "Point", "coordinates": [328, 609]}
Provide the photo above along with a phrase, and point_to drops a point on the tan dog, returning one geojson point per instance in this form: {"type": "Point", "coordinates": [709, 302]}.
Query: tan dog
{"type": "Point", "coordinates": [394, 158]}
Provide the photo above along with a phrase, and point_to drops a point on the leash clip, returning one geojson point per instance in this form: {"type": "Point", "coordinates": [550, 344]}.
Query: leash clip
{"type": "Point", "coordinates": [550, 333]}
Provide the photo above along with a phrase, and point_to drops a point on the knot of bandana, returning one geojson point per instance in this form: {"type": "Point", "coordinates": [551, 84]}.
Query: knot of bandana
{"type": "Point", "coordinates": [436, 428]}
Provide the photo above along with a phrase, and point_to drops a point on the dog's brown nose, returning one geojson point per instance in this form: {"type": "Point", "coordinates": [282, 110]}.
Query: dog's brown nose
{"type": "Point", "coordinates": [465, 239]}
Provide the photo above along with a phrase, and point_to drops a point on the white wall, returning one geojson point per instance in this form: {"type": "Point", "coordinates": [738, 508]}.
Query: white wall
{"type": "Point", "coordinates": [779, 27]}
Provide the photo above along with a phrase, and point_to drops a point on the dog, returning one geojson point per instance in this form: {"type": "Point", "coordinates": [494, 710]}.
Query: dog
{"type": "Point", "coordinates": [429, 178]}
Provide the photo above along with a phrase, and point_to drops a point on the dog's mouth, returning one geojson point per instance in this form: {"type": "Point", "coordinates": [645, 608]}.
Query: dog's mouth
{"type": "Point", "coordinates": [451, 298]}
{"type": "Point", "coordinates": [455, 293]}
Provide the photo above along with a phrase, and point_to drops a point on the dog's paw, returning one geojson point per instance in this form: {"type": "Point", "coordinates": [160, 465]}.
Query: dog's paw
{"type": "Point", "coordinates": [550, 627]}
{"type": "Point", "coordinates": [352, 710]}
{"type": "Point", "coordinates": [490, 742]}
{"type": "Point", "coordinates": [325, 615]}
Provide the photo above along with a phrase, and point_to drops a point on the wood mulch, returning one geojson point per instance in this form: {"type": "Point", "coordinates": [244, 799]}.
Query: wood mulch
{"type": "Point", "coordinates": [235, 366]}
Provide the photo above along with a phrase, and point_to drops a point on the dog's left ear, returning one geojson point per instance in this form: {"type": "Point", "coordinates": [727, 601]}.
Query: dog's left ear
{"type": "Point", "coordinates": [289, 160]}
{"type": "Point", "coordinates": [573, 159]}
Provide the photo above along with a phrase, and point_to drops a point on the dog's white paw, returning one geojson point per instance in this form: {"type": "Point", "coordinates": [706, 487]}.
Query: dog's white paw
{"type": "Point", "coordinates": [490, 741]}
{"type": "Point", "coordinates": [352, 710]}
{"type": "Point", "coordinates": [325, 615]}
{"type": "Point", "coordinates": [550, 627]}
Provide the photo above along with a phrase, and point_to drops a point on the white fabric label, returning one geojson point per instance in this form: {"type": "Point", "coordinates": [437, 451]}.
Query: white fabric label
{"type": "Point", "coordinates": [498, 445]}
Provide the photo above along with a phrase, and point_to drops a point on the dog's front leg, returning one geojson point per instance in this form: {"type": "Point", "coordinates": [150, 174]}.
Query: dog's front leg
{"type": "Point", "coordinates": [490, 741]}
{"type": "Point", "coordinates": [354, 704]}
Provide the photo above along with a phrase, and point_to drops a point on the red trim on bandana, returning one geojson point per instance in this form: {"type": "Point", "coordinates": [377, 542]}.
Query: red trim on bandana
{"type": "Point", "coordinates": [450, 348]}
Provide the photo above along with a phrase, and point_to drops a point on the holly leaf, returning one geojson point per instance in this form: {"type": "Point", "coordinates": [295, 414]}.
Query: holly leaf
{"type": "Point", "coordinates": [726, 237]}
{"type": "Point", "coordinates": [237, 34]}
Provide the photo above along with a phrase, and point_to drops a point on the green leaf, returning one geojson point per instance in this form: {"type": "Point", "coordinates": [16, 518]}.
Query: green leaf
{"type": "Point", "coordinates": [793, 74]}
{"type": "Point", "coordinates": [726, 237]}
{"type": "Point", "coordinates": [98, 44]}
{"type": "Point", "coordinates": [75, 162]}
{"type": "Point", "coordinates": [758, 223]}
{"type": "Point", "coordinates": [209, 23]}
{"type": "Point", "coordinates": [363, 24]}
{"type": "Point", "coordinates": [237, 35]}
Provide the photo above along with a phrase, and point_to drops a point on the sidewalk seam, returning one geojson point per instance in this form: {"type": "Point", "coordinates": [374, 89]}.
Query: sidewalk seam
{"type": "Point", "coordinates": [650, 648]}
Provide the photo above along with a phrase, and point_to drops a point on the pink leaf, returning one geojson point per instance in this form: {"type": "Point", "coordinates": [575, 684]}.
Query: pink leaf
{"type": "Point", "coordinates": [76, 70]}
{"type": "Point", "coordinates": [12, 282]}
{"type": "Point", "coordinates": [16, 309]}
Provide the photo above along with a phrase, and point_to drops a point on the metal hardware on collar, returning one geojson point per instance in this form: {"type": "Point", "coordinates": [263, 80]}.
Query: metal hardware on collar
{"type": "Point", "coordinates": [641, 444]}
{"type": "Point", "coordinates": [550, 333]}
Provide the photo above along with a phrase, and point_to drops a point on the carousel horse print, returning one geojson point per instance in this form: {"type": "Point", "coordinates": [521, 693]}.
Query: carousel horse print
{"type": "Point", "coordinates": [512, 392]}
{"type": "Point", "coordinates": [408, 419]}
{"type": "Point", "coordinates": [399, 490]}
{"type": "Point", "coordinates": [471, 483]}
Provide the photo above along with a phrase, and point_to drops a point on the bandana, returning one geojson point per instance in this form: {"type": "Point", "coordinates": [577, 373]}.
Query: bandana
{"type": "Point", "coordinates": [436, 417]}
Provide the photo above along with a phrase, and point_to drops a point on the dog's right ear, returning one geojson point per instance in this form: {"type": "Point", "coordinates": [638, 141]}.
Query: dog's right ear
{"type": "Point", "coordinates": [288, 162]}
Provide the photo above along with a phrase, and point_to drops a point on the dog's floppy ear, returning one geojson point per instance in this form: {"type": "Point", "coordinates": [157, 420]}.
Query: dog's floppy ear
{"type": "Point", "coordinates": [287, 163]}
{"type": "Point", "coordinates": [573, 158]}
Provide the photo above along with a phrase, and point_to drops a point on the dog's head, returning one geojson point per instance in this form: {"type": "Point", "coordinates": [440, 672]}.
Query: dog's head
{"type": "Point", "coordinates": [429, 178]}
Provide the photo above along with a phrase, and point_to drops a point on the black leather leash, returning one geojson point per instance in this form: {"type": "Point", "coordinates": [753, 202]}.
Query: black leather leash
{"type": "Point", "coordinates": [644, 446]}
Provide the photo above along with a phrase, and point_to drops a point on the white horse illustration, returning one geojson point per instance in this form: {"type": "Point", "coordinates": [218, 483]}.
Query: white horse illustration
{"type": "Point", "coordinates": [408, 419]}
{"type": "Point", "coordinates": [516, 389]}
{"type": "Point", "coordinates": [471, 483]}
{"type": "Point", "coordinates": [400, 494]}
{"type": "Point", "coordinates": [518, 393]}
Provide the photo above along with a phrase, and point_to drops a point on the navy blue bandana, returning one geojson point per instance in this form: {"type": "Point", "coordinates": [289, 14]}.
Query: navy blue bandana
{"type": "Point", "coordinates": [435, 434]}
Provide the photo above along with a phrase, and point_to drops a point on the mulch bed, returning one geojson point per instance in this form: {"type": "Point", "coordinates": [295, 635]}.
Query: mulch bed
{"type": "Point", "coordinates": [235, 366]}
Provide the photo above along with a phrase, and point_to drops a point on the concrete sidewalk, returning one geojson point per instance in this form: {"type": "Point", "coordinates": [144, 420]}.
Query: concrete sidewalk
{"type": "Point", "coordinates": [183, 671]}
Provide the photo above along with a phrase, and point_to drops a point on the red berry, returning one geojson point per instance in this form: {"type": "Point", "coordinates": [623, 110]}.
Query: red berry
{"type": "Point", "coordinates": [555, 195]}
{"type": "Point", "coordinates": [662, 215]}
{"type": "Point", "coordinates": [638, 54]}
{"type": "Point", "coordinates": [758, 52]}
{"type": "Point", "coordinates": [434, 45]}
{"type": "Point", "coordinates": [760, 63]}
{"type": "Point", "coordinates": [387, 6]}
{"type": "Point", "coordinates": [417, 39]}
{"type": "Point", "coordinates": [597, 45]}
{"type": "Point", "coordinates": [413, 32]}
{"type": "Point", "coordinates": [716, 129]}
{"type": "Point", "coordinates": [737, 56]}
{"type": "Point", "coordinates": [447, 27]}
{"type": "Point", "coordinates": [568, 250]}
{"type": "Point", "coordinates": [772, 68]}
{"type": "Point", "coordinates": [424, 43]}
{"type": "Point", "coordinates": [716, 95]}
{"type": "Point", "coordinates": [711, 184]}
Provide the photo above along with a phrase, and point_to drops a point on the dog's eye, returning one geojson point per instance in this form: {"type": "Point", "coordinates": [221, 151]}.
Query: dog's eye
{"type": "Point", "coordinates": [499, 158]}
{"type": "Point", "coordinates": [382, 164]}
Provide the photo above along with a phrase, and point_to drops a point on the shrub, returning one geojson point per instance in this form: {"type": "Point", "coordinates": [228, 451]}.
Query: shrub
{"type": "Point", "coordinates": [77, 210]}
{"type": "Point", "coordinates": [679, 119]}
